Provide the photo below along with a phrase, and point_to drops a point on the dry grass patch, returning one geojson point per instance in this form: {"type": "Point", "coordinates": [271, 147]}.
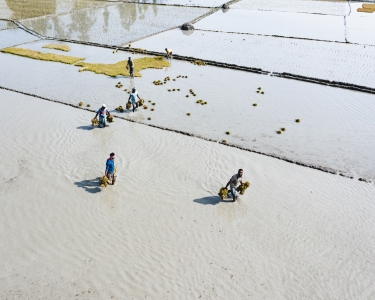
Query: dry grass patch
{"type": "Point", "coordinates": [120, 68]}
{"type": "Point", "coordinates": [43, 56]}
{"type": "Point", "coordinates": [60, 47]}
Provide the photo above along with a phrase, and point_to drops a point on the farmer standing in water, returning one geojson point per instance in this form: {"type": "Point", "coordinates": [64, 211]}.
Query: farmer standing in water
{"type": "Point", "coordinates": [110, 168]}
{"type": "Point", "coordinates": [103, 113]}
{"type": "Point", "coordinates": [169, 52]}
{"type": "Point", "coordinates": [233, 182]}
{"type": "Point", "coordinates": [130, 66]}
{"type": "Point", "coordinates": [133, 98]}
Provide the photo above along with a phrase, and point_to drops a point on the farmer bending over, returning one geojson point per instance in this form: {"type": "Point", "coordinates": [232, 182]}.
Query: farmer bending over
{"type": "Point", "coordinates": [169, 52]}
{"type": "Point", "coordinates": [110, 168]}
{"type": "Point", "coordinates": [133, 98]}
{"type": "Point", "coordinates": [103, 113]}
{"type": "Point", "coordinates": [233, 182]}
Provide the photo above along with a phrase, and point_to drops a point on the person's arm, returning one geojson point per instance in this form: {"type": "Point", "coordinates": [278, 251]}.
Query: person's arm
{"type": "Point", "coordinates": [129, 98]}
{"type": "Point", "coordinates": [230, 180]}
{"type": "Point", "coordinates": [96, 116]}
{"type": "Point", "coordinates": [108, 114]}
{"type": "Point", "coordinates": [138, 97]}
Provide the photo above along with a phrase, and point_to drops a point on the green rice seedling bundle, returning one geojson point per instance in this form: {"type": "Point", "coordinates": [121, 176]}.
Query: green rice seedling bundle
{"type": "Point", "coordinates": [199, 63]}
{"type": "Point", "coordinates": [278, 132]}
{"type": "Point", "coordinates": [178, 89]}
{"type": "Point", "coordinates": [187, 96]}
{"type": "Point", "coordinates": [145, 106]}
{"type": "Point", "coordinates": [141, 102]}
{"type": "Point", "coordinates": [174, 89]}
{"type": "Point", "coordinates": [104, 181]}
{"type": "Point", "coordinates": [120, 108]}
{"type": "Point", "coordinates": [223, 193]}
{"type": "Point", "coordinates": [95, 122]}
{"type": "Point", "coordinates": [298, 120]}
{"type": "Point", "coordinates": [255, 104]}
{"type": "Point", "coordinates": [149, 118]}
{"type": "Point", "coordinates": [188, 114]}
{"type": "Point", "coordinates": [258, 92]}
{"type": "Point", "coordinates": [242, 188]}
{"type": "Point", "coordinates": [110, 119]}
{"type": "Point", "coordinates": [283, 129]}
{"type": "Point", "coordinates": [152, 109]}
{"type": "Point", "coordinates": [205, 103]}
{"type": "Point", "coordinates": [88, 105]}
{"type": "Point", "coordinates": [80, 103]}
{"type": "Point", "coordinates": [169, 90]}
{"type": "Point", "coordinates": [150, 101]}
{"type": "Point", "coordinates": [224, 141]}
{"type": "Point", "coordinates": [262, 92]}
{"type": "Point", "coordinates": [154, 103]}
{"type": "Point", "coordinates": [128, 105]}
{"type": "Point", "coordinates": [227, 133]}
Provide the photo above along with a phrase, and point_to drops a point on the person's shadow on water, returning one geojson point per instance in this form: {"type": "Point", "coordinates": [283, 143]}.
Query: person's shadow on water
{"type": "Point", "coordinates": [90, 185]}
{"type": "Point", "coordinates": [211, 200]}
{"type": "Point", "coordinates": [88, 127]}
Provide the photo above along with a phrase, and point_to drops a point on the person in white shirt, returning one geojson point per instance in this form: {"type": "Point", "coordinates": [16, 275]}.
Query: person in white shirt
{"type": "Point", "coordinates": [233, 182]}
{"type": "Point", "coordinates": [169, 52]}
{"type": "Point", "coordinates": [133, 98]}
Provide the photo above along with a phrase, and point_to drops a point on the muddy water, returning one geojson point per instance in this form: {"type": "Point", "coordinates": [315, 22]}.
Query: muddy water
{"type": "Point", "coordinates": [204, 3]}
{"type": "Point", "coordinates": [114, 24]}
{"type": "Point", "coordinates": [336, 130]}
{"type": "Point", "coordinates": [18, 9]}
{"type": "Point", "coordinates": [324, 60]}
{"type": "Point", "coordinates": [7, 25]}
{"type": "Point", "coordinates": [287, 24]}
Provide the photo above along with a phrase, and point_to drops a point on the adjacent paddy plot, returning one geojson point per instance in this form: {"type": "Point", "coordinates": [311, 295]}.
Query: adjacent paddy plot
{"type": "Point", "coordinates": [114, 24]}
{"type": "Point", "coordinates": [324, 60]}
{"type": "Point", "coordinates": [288, 24]}
{"type": "Point", "coordinates": [202, 3]}
{"type": "Point", "coordinates": [13, 37]}
{"type": "Point", "coordinates": [337, 8]}
{"type": "Point", "coordinates": [335, 132]}
{"type": "Point", "coordinates": [18, 10]}
{"type": "Point", "coordinates": [7, 25]}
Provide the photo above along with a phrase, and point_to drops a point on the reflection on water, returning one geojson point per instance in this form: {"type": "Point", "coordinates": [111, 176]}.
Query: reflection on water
{"type": "Point", "coordinates": [21, 9]}
{"type": "Point", "coordinates": [113, 24]}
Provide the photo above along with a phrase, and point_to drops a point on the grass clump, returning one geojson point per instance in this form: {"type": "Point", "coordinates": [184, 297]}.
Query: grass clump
{"type": "Point", "coordinates": [60, 47]}
{"type": "Point", "coordinates": [121, 67]}
{"type": "Point", "coordinates": [70, 60]}
{"type": "Point", "coordinates": [223, 193]}
{"type": "Point", "coordinates": [242, 188]}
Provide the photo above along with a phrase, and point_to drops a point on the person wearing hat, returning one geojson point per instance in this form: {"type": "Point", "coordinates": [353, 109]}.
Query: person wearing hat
{"type": "Point", "coordinates": [169, 52]}
{"type": "Point", "coordinates": [110, 168]}
{"type": "Point", "coordinates": [103, 113]}
{"type": "Point", "coordinates": [130, 66]}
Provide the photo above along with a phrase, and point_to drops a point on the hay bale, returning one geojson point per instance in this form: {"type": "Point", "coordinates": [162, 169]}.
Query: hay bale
{"type": "Point", "coordinates": [242, 188]}
{"type": "Point", "coordinates": [223, 193]}
{"type": "Point", "coordinates": [298, 120]}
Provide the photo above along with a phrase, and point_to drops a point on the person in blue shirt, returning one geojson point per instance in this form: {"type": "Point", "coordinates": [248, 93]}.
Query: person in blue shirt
{"type": "Point", "coordinates": [110, 168]}
{"type": "Point", "coordinates": [103, 113]}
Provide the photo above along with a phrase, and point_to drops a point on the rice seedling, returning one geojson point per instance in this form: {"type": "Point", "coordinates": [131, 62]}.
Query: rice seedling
{"type": "Point", "coordinates": [169, 90]}
{"type": "Point", "coordinates": [174, 79]}
{"type": "Point", "coordinates": [298, 120]}
{"type": "Point", "coordinates": [150, 101]}
{"type": "Point", "coordinates": [80, 103]}
{"type": "Point", "coordinates": [199, 63]}
{"type": "Point", "coordinates": [224, 141]}
{"type": "Point", "coordinates": [242, 188]}
{"type": "Point", "coordinates": [178, 89]}
{"type": "Point", "coordinates": [128, 105]}
{"type": "Point", "coordinates": [262, 92]}
{"type": "Point", "coordinates": [278, 132]}
{"type": "Point", "coordinates": [188, 114]}
{"type": "Point", "coordinates": [255, 104]}
{"type": "Point", "coordinates": [152, 109]}
{"type": "Point", "coordinates": [199, 101]}
{"type": "Point", "coordinates": [43, 56]}
{"type": "Point", "coordinates": [141, 102]}
{"type": "Point", "coordinates": [174, 89]}
{"type": "Point", "coordinates": [88, 105]}
{"type": "Point", "coordinates": [205, 103]}
{"type": "Point", "coordinates": [258, 92]}
{"type": "Point", "coordinates": [283, 129]}
{"type": "Point", "coordinates": [145, 106]}
{"type": "Point", "coordinates": [227, 133]}
{"type": "Point", "coordinates": [149, 118]}
{"type": "Point", "coordinates": [154, 103]}
{"type": "Point", "coordinates": [187, 96]}
{"type": "Point", "coordinates": [60, 47]}
{"type": "Point", "coordinates": [223, 193]}
{"type": "Point", "coordinates": [95, 122]}
{"type": "Point", "coordinates": [259, 88]}
{"type": "Point", "coordinates": [104, 181]}
{"type": "Point", "coordinates": [110, 119]}
{"type": "Point", "coordinates": [120, 68]}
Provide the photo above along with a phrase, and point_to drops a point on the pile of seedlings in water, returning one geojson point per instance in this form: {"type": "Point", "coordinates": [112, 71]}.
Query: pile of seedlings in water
{"type": "Point", "coordinates": [192, 92]}
{"type": "Point", "coordinates": [283, 129]}
{"type": "Point", "coordinates": [110, 119]}
{"type": "Point", "coordinates": [242, 188]}
{"type": "Point", "coordinates": [199, 63]}
{"type": "Point", "coordinates": [104, 181]}
{"type": "Point", "coordinates": [119, 85]}
{"type": "Point", "coordinates": [128, 105]}
{"type": "Point", "coordinates": [157, 82]}
{"type": "Point", "coordinates": [152, 109]}
{"type": "Point", "coordinates": [255, 104]}
{"type": "Point", "coordinates": [279, 132]}
{"type": "Point", "coordinates": [201, 102]}
{"type": "Point", "coordinates": [80, 103]}
{"type": "Point", "coordinates": [141, 102]}
{"type": "Point", "coordinates": [260, 90]}
{"type": "Point", "coordinates": [180, 76]}
{"type": "Point", "coordinates": [223, 193]}
{"type": "Point", "coordinates": [145, 106]}
{"type": "Point", "coordinates": [95, 122]}
{"type": "Point", "coordinates": [120, 109]}
{"type": "Point", "coordinates": [60, 47]}
{"type": "Point", "coordinates": [298, 120]}
{"type": "Point", "coordinates": [188, 114]}
{"type": "Point", "coordinates": [88, 105]}
{"type": "Point", "coordinates": [227, 133]}
{"type": "Point", "coordinates": [149, 118]}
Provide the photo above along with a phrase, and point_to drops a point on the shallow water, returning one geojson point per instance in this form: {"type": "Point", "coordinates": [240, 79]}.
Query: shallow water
{"type": "Point", "coordinates": [339, 8]}
{"type": "Point", "coordinates": [18, 9]}
{"type": "Point", "coordinates": [324, 60]}
{"type": "Point", "coordinates": [13, 37]}
{"type": "Point", "coordinates": [204, 3]}
{"type": "Point", "coordinates": [114, 24]}
{"type": "Point", "coordinates": [289, 24]}
{"type": "Point", "coordinates": [7, 25]}
{"type": "Point", "coordinates": [336, 129]}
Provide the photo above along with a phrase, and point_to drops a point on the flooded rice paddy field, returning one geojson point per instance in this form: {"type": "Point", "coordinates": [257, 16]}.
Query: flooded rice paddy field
{"type": "Point", "coordinates": [336, 129]}
{"type": "Point", "coordinates": [13, 37]}
{"type": "Point", "coordinates": [325, 60]}
{"type": "Point", "coordinates": [203, 3]}
{"type": "Point", "coordinates": [114, 24]}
